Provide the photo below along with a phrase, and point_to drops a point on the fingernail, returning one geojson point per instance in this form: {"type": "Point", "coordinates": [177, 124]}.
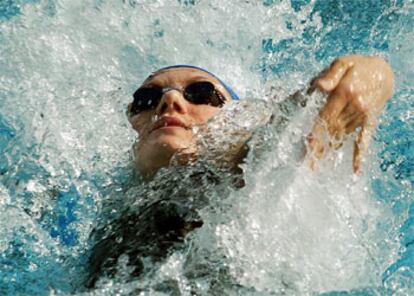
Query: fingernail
{"type": "Point", "coordinates": [311, 140]}
{"type": "Point", "coordinates": [357, 169]}
{"type": "Point", "coordinates": [324, 84]}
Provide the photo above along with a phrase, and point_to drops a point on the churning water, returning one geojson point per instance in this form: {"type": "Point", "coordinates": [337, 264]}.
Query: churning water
{"type": "Point", "coordinates": [67, 71]}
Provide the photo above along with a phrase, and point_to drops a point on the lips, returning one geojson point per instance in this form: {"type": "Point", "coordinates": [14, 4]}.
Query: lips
{"type": "Point", "coordinates": [168, 121]}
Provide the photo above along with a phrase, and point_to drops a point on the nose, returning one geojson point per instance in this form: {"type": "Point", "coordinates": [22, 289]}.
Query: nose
{"type": "Point", "coordinates": [172, 101]}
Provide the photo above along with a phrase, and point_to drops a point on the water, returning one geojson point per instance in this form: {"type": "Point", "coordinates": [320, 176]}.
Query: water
{"type": "Point", "coordinates": [67, 71]}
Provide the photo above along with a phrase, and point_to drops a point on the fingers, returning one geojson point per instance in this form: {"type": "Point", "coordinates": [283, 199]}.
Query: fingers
{"type": "Point", "coordinates": [317, 140]}
{"type": "Point", "coordinates": [331, 78]}
{"type": "Point", "coordinates": [353, 125]}
{"type": "Point", "coordinates": [323, 137]}
{"type": "Point", "coordinates": [334, 107]}
{"type": "Point", "coordinates": [327, 126]}
{"type": "Point", "coordinates": [356, 98]}
{"type": "Point", "coordinates": [350, 119]}
{"type": "Point", "coordinates": [348, 115]}
{"type": "Point", "coordinates": [361, 144]}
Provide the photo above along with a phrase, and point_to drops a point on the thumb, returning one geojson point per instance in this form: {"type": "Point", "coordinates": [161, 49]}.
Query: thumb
{"type": "Point", "coordinates": [332, 76]}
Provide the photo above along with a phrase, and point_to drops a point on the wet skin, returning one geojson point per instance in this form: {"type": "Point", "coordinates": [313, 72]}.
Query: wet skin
{"type": "Point", "coordinates": [168, 129]}
{"type": "Point", "coordinates": [358, 88]}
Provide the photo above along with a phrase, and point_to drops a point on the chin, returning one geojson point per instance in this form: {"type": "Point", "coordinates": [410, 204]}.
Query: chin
{"type": "Point", "coordinates": [156, 153]}
{"type": "Point", "coordinates": [170, 143]}
{"type": "Point", "coordinates": [171, 140]}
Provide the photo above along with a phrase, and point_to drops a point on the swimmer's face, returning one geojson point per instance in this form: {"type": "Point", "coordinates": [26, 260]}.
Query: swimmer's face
{"type": "Point", "coordinates": [167, 128]}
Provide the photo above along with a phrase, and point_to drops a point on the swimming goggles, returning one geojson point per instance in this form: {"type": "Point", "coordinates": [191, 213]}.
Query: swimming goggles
{"type": "Point", "coordinates": [199, 93]}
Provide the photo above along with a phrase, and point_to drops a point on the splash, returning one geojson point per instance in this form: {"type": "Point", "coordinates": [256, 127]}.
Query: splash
{"type": "Point", "coordinates": [67, 71]}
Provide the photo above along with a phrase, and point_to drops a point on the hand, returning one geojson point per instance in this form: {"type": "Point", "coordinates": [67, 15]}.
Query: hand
{"type": "Point", "coordinates": [358, 89]}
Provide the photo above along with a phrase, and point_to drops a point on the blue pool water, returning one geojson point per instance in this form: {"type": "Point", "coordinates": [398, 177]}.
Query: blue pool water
{"type": "Point", "coordinates": [67, 69]}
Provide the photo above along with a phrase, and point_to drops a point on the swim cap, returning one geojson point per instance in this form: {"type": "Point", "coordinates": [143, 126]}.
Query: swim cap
{"type": "Point", "coordinates": [233, 95]}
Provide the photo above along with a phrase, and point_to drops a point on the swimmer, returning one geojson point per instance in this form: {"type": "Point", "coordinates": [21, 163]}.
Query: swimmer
{"type": "Point", "coordinates": [173, 100]}
{"type": "Point", "coordinates": [181, 97]}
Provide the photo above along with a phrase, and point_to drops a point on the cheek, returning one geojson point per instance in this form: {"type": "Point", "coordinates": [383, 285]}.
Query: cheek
{"type": "Point", "coordinates": [140, 128]}
{"type": "Point", "coordinates": [141, 124]}
{"type": "Point", "coordinates": [205, 114]}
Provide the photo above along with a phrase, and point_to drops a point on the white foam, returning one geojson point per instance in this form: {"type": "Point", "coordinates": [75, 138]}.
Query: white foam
{"type": "Point", "coordinates": [69, 72]}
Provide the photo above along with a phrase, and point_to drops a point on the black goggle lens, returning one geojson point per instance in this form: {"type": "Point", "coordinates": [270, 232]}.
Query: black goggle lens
{"type": "Point", "coordinates": [203, 92]}
{"type": "Point", "coordinates": [146, 98]}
